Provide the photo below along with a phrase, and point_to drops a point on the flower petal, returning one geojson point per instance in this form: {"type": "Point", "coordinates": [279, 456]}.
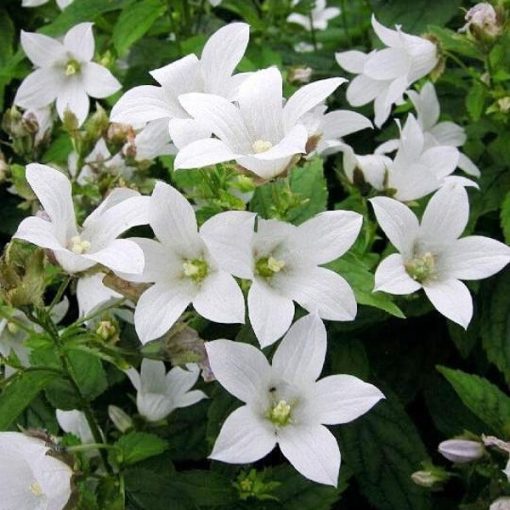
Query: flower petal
{"type": "Point", "coordinates": [449, 133]}
{"type": "Point", "coordinates": [387, 64]}
{"type": "Point", "coordinates": [119, 255]}
{"type": "Point", "coordinates": [153, 376]}
{"type": "Point", "coordinates": [293, 143]}
{"type": "Point", "coordinates": [363, 90]}
{"type": "Point", "coordinates": [244, 438]}
{"type": "Point", "coordinates": [91, 293]}
{"type": "Point", "coordinates": [79, 40]}
{"type": "Point", "coordinates": [202, 153]}
{"type": "Point", "coordinates": [40, 232]}
{"type": "Point", "coordinates": [240, 368]}
{"type": "Point", "coordinates": [440, 160]}
{"type": "Point", "coordinates": [426, 105]}
{"type": "Point", "coordinates": [313, 451]}
{"type": "Point", "coordinates": [352, 61]}
{"type": "Point", "coordinates": [388, 36]}
{"type": "Point", "coordinates": [340, 123]}
{"type": "Point", "coordinates": [72, 96]}
{"type": "Point", "coordinates": [391, 277]}
{"type": "Point", "coordinates": [466, 165]}
{"type": "Point", "coordinates": [42, 50]}
{"type": "Point", "coordinates": [98, 81]}
{"type": "Point", "coordinates": [185, 131]}
{"type": "Point", "coordinates": [38, 89]}
{"type": "Point", "coordinates": [300, 356]}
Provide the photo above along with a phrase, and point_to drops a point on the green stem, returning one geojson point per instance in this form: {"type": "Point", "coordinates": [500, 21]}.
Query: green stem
{"type": "Point", "coordinates": [60, 292]}
{"type": "Point", "coordinates": [89, 446]}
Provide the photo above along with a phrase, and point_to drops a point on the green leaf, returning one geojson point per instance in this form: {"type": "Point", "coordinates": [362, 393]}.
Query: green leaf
{"type": "Point", "coordinates": [383, 449]}
{"type": "Point", "coordinates": [137, 446]}
{"type": "Point", "coordinates": [482, 398]}
{"type": "Point", "coordinates": [19, 393]}
{"type": "Point", "coordinates": [134, 22]}
{"type": "Point", "coordinates": [455, 42]}
{"type": "Point", "coordinates": [475, 100]}
{"type": "Point", "coordinates": [505, 217]}
{"type": "Point", "coordinates": [495, 328]}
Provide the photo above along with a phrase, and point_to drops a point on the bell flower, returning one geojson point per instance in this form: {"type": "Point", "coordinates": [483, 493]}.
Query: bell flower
{"type": "Point", "coordinates": [74, 422]}
{"type": "Point", "coordinates": [318, 18]}
{"type": "Point", "coordinates": [372, 169]}
{"type": "Point", "coordinates": [285, 404]}
{"type": "Point", "coordinates": [432, 256]}
{"type": "Point", "coordinates": [78, 249]}
{"type": "Point", "coordinates": [64, 72]}
{"type": "Point", "coordinates": [159, 393]}
{"type": "Point", "coordinates": [384, 75]}
{"type": "Point", "coordinates": [31, 478]}
{"type": "Point", "coordinates": [284, 262]}
{"type": "Point", "coordinates": [188, 265]}
{"type": "Point", "coordinates": [260, 134]}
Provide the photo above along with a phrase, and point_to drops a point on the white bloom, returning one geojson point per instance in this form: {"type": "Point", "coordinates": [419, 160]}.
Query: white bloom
{"type": "Point", "coordinates": [285, 404]}
{"type": "Point", "coordinates": [374, 168]}
{"type": "Point", "coordinates": [284, 263]}
{"type": "Point", "coordinates": [384, 75]}
{"type": "Point", "coordinates": [320, 15]}
{"type": "Point", "coordinates": [159, 392]}
{"type": "Point", "coordinates": [96, 243]}
{"type": "Point", "coordinates": [92, 293]}
{"type": "Point", "coordinates": [31, 479]}
{"type": "Point", "coordinates": [74, 422]}
{"type": "Point", "coordinates": [62, 4]}
{"type": "Point", "coordinates": [431, 255]}
{"type": "Point", "coordinates": [212, 73]}
{"type": "Point", "coordinates": [461, 451]}
{"type": "Point", "coordinates": [306, 47]}
{"type": "Point", "coordinates": [64, 72]}
{"type": "Point", "coordinates": [188, 265]}
{"type": "Point", "coordinates": [153, 141]}
{"type": "Point", "coordinates": [325, 130]}
{"type": "Point", "coordinates": [215, 3]}
{"type": "Point", "coordinates": [260, 133]}
{"type": "Point", "coordinates": [500, 504]}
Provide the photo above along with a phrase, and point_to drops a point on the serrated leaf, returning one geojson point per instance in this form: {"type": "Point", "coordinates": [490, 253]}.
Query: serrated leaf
{"type": "Point", "coordinates": [383, 449]}
{"type": "Point", "coordinates": [455, 42]}
{"type": "Point", "coordinates": [482, 398]}
{"type": "Point", "coordinates": [137, 446]}
{"type": "Point", "coordinates": [475, 100]}
{"type": "Point", "coordinates": [134, 22]}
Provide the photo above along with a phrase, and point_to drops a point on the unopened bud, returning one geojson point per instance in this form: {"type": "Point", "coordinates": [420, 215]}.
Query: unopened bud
{"type": "Point", "coordinates": [483, 22]}
{"type": "Point", "coordinates": [429, 477]}
{"type": "Point", "coordinates": [119, 134]}
{"type": "Point", "coordinates": [461, 451]}
{"type": "Point", "coordinates": [120, 419]}
{"type": "Point", "coordinates": [98, 123]}
{"type": "Point", "coordinates": [500, 504]}
{"type": "Point", "coordinates": [504, 104]}
{"type": "Point", "coordinates": [106, 330]}
{"type": "Point", "coordinates": [70, 121]}
{"type": "Point", "coordinates": [12, 123]}
{"type": "Point", "coordinates": [300, 74]}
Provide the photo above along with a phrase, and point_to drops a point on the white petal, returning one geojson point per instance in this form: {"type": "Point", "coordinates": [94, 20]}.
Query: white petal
{"type": "Point", "coordinates": [244, 438]}
{"type": "Point", "coordinates": [384, 102]}
{"type": "Point", "coordinates": [154, 141]}
{"type": "Point", "coordinates": [179, 380]}
{"type": "Point", "coordinates": [153, 376]}
{"type": "Point", "coordinates": [185, 131]}
{"type": "Point", "coordinates": [389, 37]}
{"type": "Point", "coordinates": [74, 422]}
{"type": "Point", "coordinates": [55, 479]}
{"type": "Point", "coordinates": [340, 123]}
{"type": "Point", "coordinates": [352, 61]}
{"type": "Point", "coordinates": [91, 293]}
{"type": "Point", "coordinates": [202, 153]}
{"type": "Point", "coordinates": [42, 50]}
{"type": "Point", "coordinates": [391, 277]}
{"type": "Point", "coordinates": [325, 237]}
{"type": "Point", "coordinates": [240, 368]}
{"type": "Point", "coordinates": [300, 356]}
{"type": "Point", "coordinates": [220, 299]}
{"type": "Point", "coordinates": [119, 255]}
{"type": "Point", "coordinates": [363, 90]}
{"type": "Point", "coordinates": [98, 81]}
{"type": "Point", "coordinates": [449, 133]}
{"type": "Point", "coordinates": [411, 139]}
{"type": "Point", "coordinates": [160, 264]}
{"type": "Point", "coordinates": [228, 237]}
{"type": "Point", "coordinates": [387, 64]}
{"type": "Point", "coordinates": [308, 97]}
{"type": "Point", "coordinates": [159, 308]}
{"type": "Point", "coordinates": [441, 160]}
{"type": "Point", "coordinates": [72, 96]}
{"type": "Point", "coordinates": [40, 232]}
{"type": "Point", "coordinates": [293, 143]}
{"type": "Point", "coordinates": [80, 41]}
{"type": "Point", "coordinates": [468, 166]}
{"type": "Point", "coordinates": [321, 291]}
{"type": "Point", "coordinates": [180, 76]}
{"type": "Point", "coordinates": [397, 221]}
{"type": "Point", "coordinates": [452, 299]}
{"type": "Point", "coordinates": [313, 451]}
{"type": "Point", "coordinates": [38, 89]}
{"type": "Point", "coordinates": [221, 54]}
{"type": "Point", "coordinates": [426, 105]}
{"type": "Point", "coordinates": [446, 215]}
{"type": "Point", "coordinates": [270, 313]}
{"type": "Point", "coordinates": [116, 196]}
{"type": "Point", "coordinates": [474, 258]}
{"type": "Point", "coordinates": [73, 263]}
{"type": "Point", "coordinates": [342, 398]}
{"type": "Point", "coordinates": [267, 169]}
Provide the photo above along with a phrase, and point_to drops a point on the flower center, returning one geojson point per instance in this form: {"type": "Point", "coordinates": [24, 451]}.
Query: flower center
{"type": "Point", "coordinates": [421, 268]}
{"type": "Point", "coordinates": [268, 266]}
{"type": "Point", "coordinates": [72, 67]}
{"type": "Point", "coordinates": [259, 146]}
{"type": "Point", "coordinates": [79, 245]}
{"type": "Point", "coordinates": [36, 489]}
{"type": "Point", "coordinates": [196, 269]}
{"type": "Point", "coordinates": [280, 413]}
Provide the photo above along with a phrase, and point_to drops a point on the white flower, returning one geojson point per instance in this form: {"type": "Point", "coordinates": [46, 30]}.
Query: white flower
{"type": "Point", "coordinates": [482, 19]}
{"type": "Point", "coordinates": [384, 75]}
{"type": "Point", "coordinates": [92, 293]}
{"type": "Point", "coordinates": [284, 263]}
{"type": "Point", "coordinates": [62, 4]}
{"type": "Point", "coordinates": [153, 141]}
{"type": "Point", "coordinates": [215, 3]}
{"type": "Point", "coordinates": [159, 392]}
{"type": "Point", "coordinates": [285, 404]}
{"type": "Point", "coordinates": [30, 478]}
{"type": "Point", "coordinates": [188, 265]}
{"type": "Point", "coordinates": [64, 72]}
{"type": "Point", "coordinates": [431, 255]}
{"type": "Point", "coordinates": [318, 18]}
{"type": "Point", "coordinates": [500, 504]}
{"type": "Point", "coordinates": [461, 451]}
{"type": "Point", "coordinates": [325, 130]}
{"type": "Point", "coordinates": [374, 168]}
{"type": "Point", "coordinates": [96, 243]}
{"type": "Point", "coordinates": [212, 73]}
{"type": "Point", "coordinates": [74, 422]}
{"type": "Point", "coordinates": [260, 133]}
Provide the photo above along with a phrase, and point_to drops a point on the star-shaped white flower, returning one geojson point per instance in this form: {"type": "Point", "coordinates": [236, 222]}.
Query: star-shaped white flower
{"type": "Point", "coordinates": [320, 15]}
{"type": "Point", "coordinates": [29, 476]}
{"type": "Point", "coordinates": [384, 75]}
{"type": "Point", "coordinates": [285, 404]}
{"type": "Point", "coordinates": [284, 263]}
{"type": "Point", "coordinates": [188, 265]}
{"type": "Point", "coordinates": [260, 134]}
{"type": "Point", "coordinates": [64, 72]}
{"type": "Point", "coordinates": [159, 393]}
{"type": "Point", "coordinates": [96, 242]}
{"type": "Point", "coordinates": [431, 255]}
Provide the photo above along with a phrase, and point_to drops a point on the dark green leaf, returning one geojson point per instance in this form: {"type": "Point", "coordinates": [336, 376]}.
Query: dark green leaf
{"type": "Point", "coordinates": [475, 100]}
{"type": "Point", "coordinates": [137, 446]}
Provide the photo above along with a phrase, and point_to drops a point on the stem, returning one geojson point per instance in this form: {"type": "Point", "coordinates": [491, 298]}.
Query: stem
{"type": "Point", "coordinates": [60, 292]}
{"type": "Point", "coordinates": [312, 31]}
{"type": "Point", "coordinates": [89, 446]}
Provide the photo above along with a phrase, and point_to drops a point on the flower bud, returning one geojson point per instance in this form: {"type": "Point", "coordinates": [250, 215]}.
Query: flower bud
{"type": "Point", "coordinates": [461, 451]}
{"type": "Point", "coordinates": [429, 477]}
{"type": "Point", "coordinates": [483, 22]}
{"type": "Point", "coordinates": [501, 504]}
{"type": "Point", "coordinates": [106, 329]}
{"type": "Point", "coordinates": [504, 104]}
{"type": "Point", "coordinates": [120, 419]}
{"type": "Point", "coordinates": [300, 74]}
